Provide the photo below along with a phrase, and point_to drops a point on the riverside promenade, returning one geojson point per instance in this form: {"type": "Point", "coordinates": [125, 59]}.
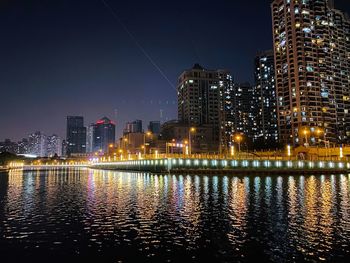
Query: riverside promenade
{"type": "Point", "coordinates": [226, 166]}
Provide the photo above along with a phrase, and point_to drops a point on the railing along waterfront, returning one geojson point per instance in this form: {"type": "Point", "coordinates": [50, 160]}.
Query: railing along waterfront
{"type": "Point", "coordinates": [225, 165]}
{"type": "Point", "coordinates": [242, 156]}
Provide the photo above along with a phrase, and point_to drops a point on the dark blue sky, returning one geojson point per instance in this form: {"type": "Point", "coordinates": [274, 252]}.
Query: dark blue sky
{"type": "Point", "coordinates": [72, 57]}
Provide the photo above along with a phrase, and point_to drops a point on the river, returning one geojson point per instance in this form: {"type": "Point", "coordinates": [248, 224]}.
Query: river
{"type": "Point", "coordinates": [111, 216]}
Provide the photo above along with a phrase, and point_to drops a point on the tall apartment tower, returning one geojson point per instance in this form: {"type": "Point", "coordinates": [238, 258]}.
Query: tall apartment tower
{"type": "Point", "coordinates": [312, 63]}
{"type": "Point", "coordinates": [37, 144]}
{"type": "Point", "coordinates": [54, 145]}
{"type": "Point", "coordinates": [205, 98]}
{"type": "Point", "coordinates": [244, 108]}
{"type": "Point", "coordinates": [103, 135]}
{"type": "Point", "coordinates": [90, 138]}
{"type": "Point", "coordinates": [133, 127]}
{"type": "Point", "coordinates": [76, 135]}
{"type": "Point", "coordinates": [154, 127]}
{"type": "Point", "coordinates": [265, 101]}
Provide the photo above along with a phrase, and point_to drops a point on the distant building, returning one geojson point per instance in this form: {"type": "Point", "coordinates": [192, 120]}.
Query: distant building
{"type": "Point", "coordinates": [311, 48]}
{"type": "Point", "coordinates": [133, 127]}
{"type": "Point", "coordinates": [8, 146]}
{"type": "Point", "coordinates": [37, 144]}
{"type": "Point", "coordinates": [265, 130]}
{"type": "Point", "coordinates": [133, 142]}
{"type": "Point", "coordinates": [244, 110]}
{"type": "Point", "coordinates": [103, 135]}
{"type": "Point", "coordinates": [154, 127]}
{"type": "Point", "coordinates": [201, 139]}
{"type": "Point", "coordinates": [205, 98]}
{"type": "Point", "coordinates": [54, 145]}
{"type": "Point", "coordinates": [64, 148]}
{"type": "Point", "coordinates": [90, 138]}
{"type": "Point", "coordinates": [76, 135]}
{"type": "Point", "coordinates": [23, 146]}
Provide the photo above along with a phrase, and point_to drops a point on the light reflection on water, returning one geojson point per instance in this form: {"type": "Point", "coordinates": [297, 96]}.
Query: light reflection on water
{"type": "Point", "coordinates": [124, 216]}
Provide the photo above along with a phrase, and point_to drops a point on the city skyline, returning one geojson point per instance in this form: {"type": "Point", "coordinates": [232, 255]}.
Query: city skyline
{"type": "Point", "coordinates": [93, 73]}
{"type": "Point", "coordinates": [175, 131]}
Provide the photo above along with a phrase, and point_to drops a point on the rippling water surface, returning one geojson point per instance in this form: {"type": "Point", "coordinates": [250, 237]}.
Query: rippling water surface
{"type": "Point", "coordinates": [114, 216]}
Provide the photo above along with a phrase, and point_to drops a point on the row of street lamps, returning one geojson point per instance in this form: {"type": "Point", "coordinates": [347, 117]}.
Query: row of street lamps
{"type": "Point", "coordinates": [317, 131]}
{"type": "Point", "coordinates": [187, 144]}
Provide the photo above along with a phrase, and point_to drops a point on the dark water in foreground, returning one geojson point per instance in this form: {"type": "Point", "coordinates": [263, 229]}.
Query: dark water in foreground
{"type": "Point", "coordinates": [111, 216]}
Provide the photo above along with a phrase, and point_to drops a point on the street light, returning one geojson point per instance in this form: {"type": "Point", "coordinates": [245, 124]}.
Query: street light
{"type": "Point", "coordinates": [125, 140]}
{"type": "Point", "coordinates": [110, 148]}
{"type": "Point", "coordinates": [144, 141]}
{"type": "Point", "coordinates": [173, 141]}
{"type": "Point", "coordinates": [289, 151]}
{"type": "Point", "coordinates": [185, 147]}
{"type": "Point", "coordinates": [341, 153]}
{"type": "Point", "coordinates": [191, 130]}
{"type": "Point", "coordinates": [232, 150]}
{"type": "Point", "coordinates": [306, 132]}
{"type": "Point", "coordinates": [121, 154]}
{"type": "Point", "coordinates": [169, 144]}
{"type": "Point", "coordinates": [318, 132]}
{"type": "Point", "coordinates": [239, 138]}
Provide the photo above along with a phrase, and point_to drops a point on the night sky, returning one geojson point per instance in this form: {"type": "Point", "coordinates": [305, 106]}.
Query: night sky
{"type": "Point", "coordinates": [76, 57]}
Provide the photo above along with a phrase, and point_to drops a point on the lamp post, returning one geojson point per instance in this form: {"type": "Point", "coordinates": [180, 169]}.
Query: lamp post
{"type": "Point", "coordinates": [144, 141]}
{"type": "Point", "coordinates": [238, 138]}
{"type": "Point", "coordinates": [232, 150]}
{"type": "Point", "coordinates": [341, 153]}
{"type": "Point", "coordinates": [191, 130]}
{"type": "Point", "coordinates": [232, 147]}
{"type": "Point", "coordinates": [173, 141]}
{"type": "Point", "coordinates": [305, 132]}
{"type": "Point", "coordinates": [125, 140]}
{"type": "Point", "coordinates": [289, 151]}
{"type": "Point", "coordinates": [320, 131]}
{"type": "Point", "coordinates": [110, 148]}
{"type": "Point", "coordinates": [185, 148]}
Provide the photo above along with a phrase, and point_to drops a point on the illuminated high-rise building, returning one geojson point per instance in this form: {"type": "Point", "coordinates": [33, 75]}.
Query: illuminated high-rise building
{"type": "Point", "coordinates": [205, 98]}
{"type": "Point", "coordinates": [133, 127]}
{"type": "Point", "coordinates": [76, 135]}
{"type": "Point", "coordinates": [54, 145]}
{"type": "Point", "coordinates": [23, 146]}
{"type": "Point", "coordinates": [8, 146]}
{"type": "Point", "coordinates": [265, 128]}
{"type": "Point", "coordinates": [103, 135]}
{"type": "Point", "coordinates": [312, 64]}
{"type": "Point", "coordinates": [244, 108]}
{"type": "Point", "coordinates": [90, 138]}
{"type": "Point", "coordinates": [154, 127]}
{"type": "Point", "coordinates": [37, 144]}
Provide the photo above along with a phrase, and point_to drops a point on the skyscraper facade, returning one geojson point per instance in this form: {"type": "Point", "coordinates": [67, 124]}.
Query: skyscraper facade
{"type": "Point", "coordinates": [205, 98]}
{"type": "Point", "coordinates": [54, 145]}
{"type": "Point", "coordinates": [76, 135]}
{"type": "Point", "coordinates": [244, 109]}
{"type": "Point", "coordinates": [312, 63]}
{"type": "Point", "coordinates": [90, 138]}
{"type": "Point", "coordinates": [8, 146]}
{"type": "Point", "coordinates": [265, 101]}
{"type": "Point", "coordinates": [103, 135]}
{"type": "Point", "coordinates": [23, 146]}
{"type": "Point", "coordinates": [133, 127]}
{"type": "Point", "coordinates": [154, 127]}
{"type": "Point", "coordinates": [37, 144]}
